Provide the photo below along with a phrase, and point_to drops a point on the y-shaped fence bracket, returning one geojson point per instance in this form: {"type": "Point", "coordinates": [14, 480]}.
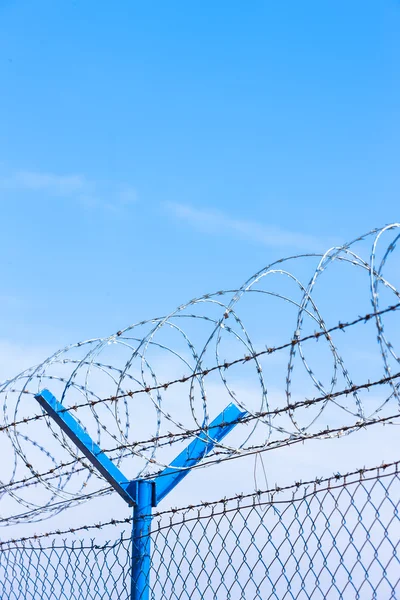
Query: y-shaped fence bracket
{"type": "Point", "coordinates": [142, 494]}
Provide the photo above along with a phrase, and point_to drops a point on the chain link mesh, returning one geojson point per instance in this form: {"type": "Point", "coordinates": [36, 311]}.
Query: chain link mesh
{"type": "Point", "coordinates": [77, 570]}
{"type": "Point", "coordinates": [330, 539]}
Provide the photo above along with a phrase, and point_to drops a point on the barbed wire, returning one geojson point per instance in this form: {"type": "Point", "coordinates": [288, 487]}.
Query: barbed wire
{"type": "Point", "coordinates": [273, 413]}
{"type": "Point", "coordinates": [140, 445]}
{"type": "Point", "coordinates": [171, 438]}
{"type": "Point", "coordinates": [52, 509]}
{"type": "Point", "coordinates": [99, 376]}
{"type": "Point", "coordinates": [204, 372]}
{"type": "Point", "coordinates": [337, 479]}
{"type": "Point", "coordinates": [328, 432]}
{"type": "Point", "coordinates": [257, 501]}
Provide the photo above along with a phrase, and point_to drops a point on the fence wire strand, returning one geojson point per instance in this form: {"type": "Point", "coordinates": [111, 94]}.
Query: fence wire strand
{"type": "Point", "coordinates": [106, 382]}
{"type": "Point", "coordinates": [335, 537]}
{"type": "Point", "coordinates": [332, 538]}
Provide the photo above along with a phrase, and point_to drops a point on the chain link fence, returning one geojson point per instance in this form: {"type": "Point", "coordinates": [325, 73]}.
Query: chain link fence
{"type": "Point", "coordinates": [334, 538]}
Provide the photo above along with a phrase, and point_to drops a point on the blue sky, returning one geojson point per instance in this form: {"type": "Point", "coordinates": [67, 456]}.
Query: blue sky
{"type": "Point", "coordinates": [153, 151]}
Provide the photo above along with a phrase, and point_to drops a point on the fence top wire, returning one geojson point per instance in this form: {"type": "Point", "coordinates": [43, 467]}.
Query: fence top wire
{"type": "Point", "coordinates": [107, 373]}
{"type": "Point", "coordinates": [202, 373]}
{"type": "Point", "coordinates": [328, 538]}
{"type": "Point", "coordinates": [171, 438]}
{"type": "Point", "coordinates": [285, 494]}
{"type": "Point", "coordinates": [216, 457]}
{"type": "Point", "coordinates": [56, 507]}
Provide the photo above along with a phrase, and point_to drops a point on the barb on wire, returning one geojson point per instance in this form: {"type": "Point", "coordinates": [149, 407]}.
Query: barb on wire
{"type": "Point", "coordinates": [170, 438]}
{"type": "Point", "coordinates": [336, 536]}
{"type": "Point", "coordinates": [318, 484]}
{"type": "Point", "coordinates": [226, 344]}
{"type": "Point", "coordinates": [204, 372]}
{"type": "Point", "coordinates": [51, 509]}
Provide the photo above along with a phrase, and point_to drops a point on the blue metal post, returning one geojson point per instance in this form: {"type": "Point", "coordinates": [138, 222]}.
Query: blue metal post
{"type": "Point", "coordinates": [143, 494]}
{"type": "Point", "coordinates": [85, 443]}
{"type": "Point", "coordinates": [141, 540]}
{"type": "Point", "coordinates": [197, 450]}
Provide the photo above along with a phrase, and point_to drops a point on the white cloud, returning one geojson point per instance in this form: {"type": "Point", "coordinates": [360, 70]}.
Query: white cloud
{"type": "Point", "coordinates": [61, 185]}
{"type": "Point", "coordinates": [90, 194]}
{"type": "Point", "coordinates": [127, 194]}
{"type": "Point", "coordinates": [214, 221]}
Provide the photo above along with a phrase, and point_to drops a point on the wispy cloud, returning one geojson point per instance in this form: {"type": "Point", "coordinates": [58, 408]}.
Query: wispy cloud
{"type": "Point", "coordinates": [62, 185]}
{"type": "Point", "coordinates": [217, 222]}
{"type": "Point", "coordinates": [91, 194]}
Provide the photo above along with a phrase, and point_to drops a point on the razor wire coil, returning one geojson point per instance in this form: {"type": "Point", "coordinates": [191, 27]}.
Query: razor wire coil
{"type": "Point", "coordinates": [189, 336]}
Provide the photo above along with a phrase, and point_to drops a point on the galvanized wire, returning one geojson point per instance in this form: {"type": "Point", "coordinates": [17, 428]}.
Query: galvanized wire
{"type": "Point", "coordinates": [202, 337]}
{"type": "Point", "coordinates": [170, 438]}
{"type": "Point", "coordinates": [335, 540]}
{"type": "Point", "coordinates": [332, 538]}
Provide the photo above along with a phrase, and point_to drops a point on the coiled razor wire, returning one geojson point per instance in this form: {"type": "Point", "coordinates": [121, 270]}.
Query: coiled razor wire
{"type": "Point", "coordinates": [121, 383]}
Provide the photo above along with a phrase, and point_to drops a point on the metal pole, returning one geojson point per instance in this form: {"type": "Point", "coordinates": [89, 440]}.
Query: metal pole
{"type": "Point", "coordinates": [141, 539]}
{"type": "Point", "coordinates": [143, 494]}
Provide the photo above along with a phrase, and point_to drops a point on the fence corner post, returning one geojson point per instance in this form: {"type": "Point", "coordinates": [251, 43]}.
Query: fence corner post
{"type": "Point", "coordinates": [144, 490]}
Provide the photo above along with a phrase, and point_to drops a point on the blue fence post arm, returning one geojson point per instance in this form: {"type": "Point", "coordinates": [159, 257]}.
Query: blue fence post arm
{"type": "Point", "coordinates": [167, 479]}
{"type": "Point", "coordinates": [85, 443]}
{"type": "Point", "coordinates": [143, 494]}
{"type": "Point", "coordinates": [150, 492]}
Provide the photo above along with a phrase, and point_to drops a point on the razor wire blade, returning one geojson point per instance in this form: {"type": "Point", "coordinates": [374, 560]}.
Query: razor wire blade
{"type": "Point", "coordinates": [122, 382]}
